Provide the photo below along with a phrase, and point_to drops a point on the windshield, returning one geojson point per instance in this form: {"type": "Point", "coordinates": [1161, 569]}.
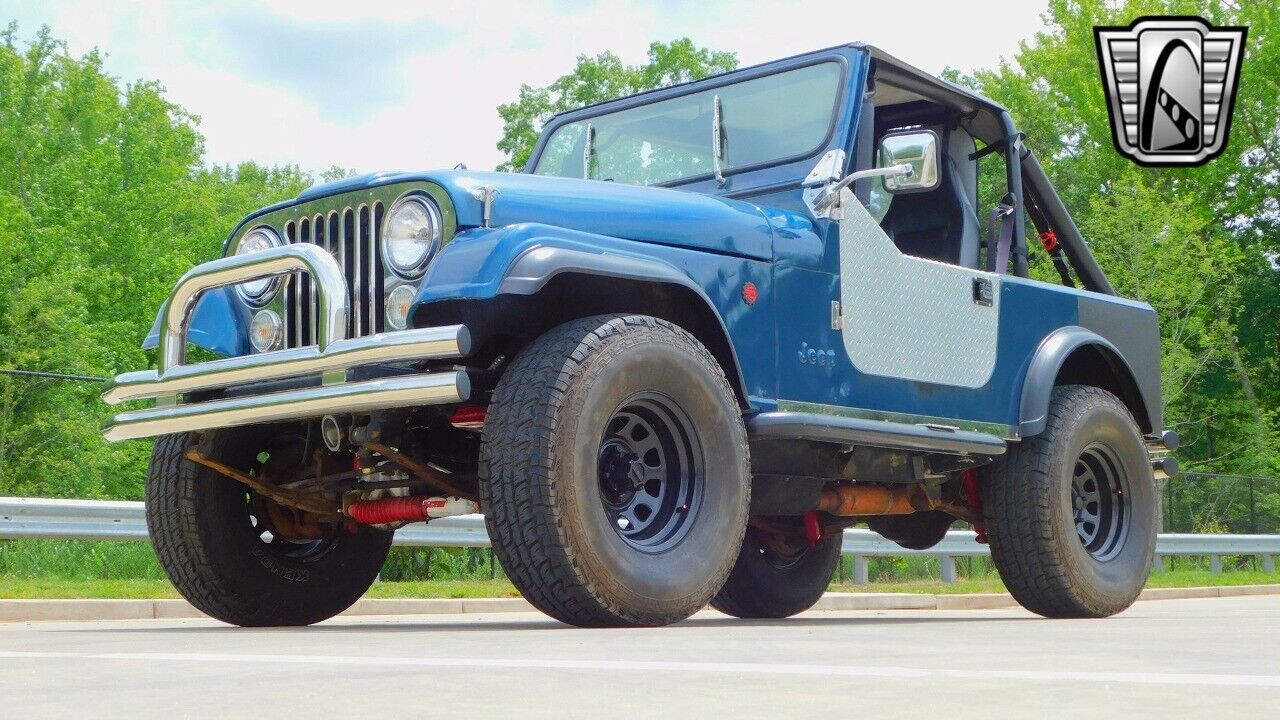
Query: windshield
{"type": "Point", "coordinates": [763, 120]}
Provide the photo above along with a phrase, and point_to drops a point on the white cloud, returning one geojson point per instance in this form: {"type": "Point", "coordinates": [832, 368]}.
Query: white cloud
{"type": "Point", "coordinates": [431, 100]}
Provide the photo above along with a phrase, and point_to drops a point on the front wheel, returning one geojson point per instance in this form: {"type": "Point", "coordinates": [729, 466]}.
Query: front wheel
{"type": "Point", "coordinates": [614, 472]}
{"type": "Point", "coordinates": [240, 557]}
{"type": "Point", "coordinates": [1071, 512]}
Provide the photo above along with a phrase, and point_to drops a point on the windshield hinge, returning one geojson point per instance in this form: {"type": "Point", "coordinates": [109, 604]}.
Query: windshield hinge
{"type": "Point", "coordinates": [485, 194]}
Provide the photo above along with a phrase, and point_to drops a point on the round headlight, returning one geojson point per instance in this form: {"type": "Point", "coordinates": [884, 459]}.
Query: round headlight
{"type": "Point", "coordinates": [410, 235]}
{"type": "Point", "coordinates": [255, 292]}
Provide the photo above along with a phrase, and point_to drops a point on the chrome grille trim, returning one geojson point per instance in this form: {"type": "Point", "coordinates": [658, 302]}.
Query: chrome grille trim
{"type": "Point", "coordinates": [352, 234]}
{"type": "Point", "coordinates": [349, 227]}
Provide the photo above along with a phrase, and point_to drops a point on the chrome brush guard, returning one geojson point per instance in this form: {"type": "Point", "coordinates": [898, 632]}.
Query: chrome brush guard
{"type": "Point", "coordinates": [330, 358]}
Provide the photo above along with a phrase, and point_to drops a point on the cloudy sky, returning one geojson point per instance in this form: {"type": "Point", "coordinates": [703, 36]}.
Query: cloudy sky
{"type": "Point", "coordinates": [372, 85]}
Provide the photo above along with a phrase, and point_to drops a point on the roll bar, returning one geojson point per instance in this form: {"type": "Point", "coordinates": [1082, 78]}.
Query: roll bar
{"type": "Point", "coordinates": [1046, 198]}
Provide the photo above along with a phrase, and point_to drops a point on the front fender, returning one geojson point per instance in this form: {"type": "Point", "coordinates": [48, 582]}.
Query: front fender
{"type": "Point", "coordinates": [520, 259]}
{"type": "Point", "coordinates": [220, 324]}
{"type": "Point", "coordinates": [500, 268]}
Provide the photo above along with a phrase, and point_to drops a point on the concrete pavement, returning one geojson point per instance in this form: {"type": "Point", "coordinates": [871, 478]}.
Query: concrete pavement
{"type": "Point", "coordinates": [1170, 659]}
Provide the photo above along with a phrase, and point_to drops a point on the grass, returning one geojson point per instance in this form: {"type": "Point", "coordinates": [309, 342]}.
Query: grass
{"type": "Point", "coordinates": [23, 588]}
{"type": "Point", "coordinates": [43, 569]}
{"type": "Point", "coordinates": [444, 589]}
{"type": "Point", "coordinates": [1204, 578]}
{"type": "Point", "coordinates": [48, 588]}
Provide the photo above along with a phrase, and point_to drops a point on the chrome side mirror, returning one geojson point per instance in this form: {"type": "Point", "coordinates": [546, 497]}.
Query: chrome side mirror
{"type": "Point", "coordinates": [917, 148]}
{"type": "Point", "coordinates": [823, 185]}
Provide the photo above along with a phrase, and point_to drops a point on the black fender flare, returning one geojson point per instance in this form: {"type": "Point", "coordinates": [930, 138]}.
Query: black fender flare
{"type": "Point", "coordinates": [1046, 364]}
{"type": "Point", "coordinates": [533, 269]}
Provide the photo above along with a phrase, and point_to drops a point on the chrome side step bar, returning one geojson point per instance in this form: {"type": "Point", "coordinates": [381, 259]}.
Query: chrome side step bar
{"type": "Point", "coordinates": [395, 392]}
{"type": "Point", "coordinates": [873, 433]}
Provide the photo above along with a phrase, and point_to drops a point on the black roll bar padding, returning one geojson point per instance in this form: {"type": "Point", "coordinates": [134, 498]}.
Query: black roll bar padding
{"type": "Point", "coordinates": [1086, 267]}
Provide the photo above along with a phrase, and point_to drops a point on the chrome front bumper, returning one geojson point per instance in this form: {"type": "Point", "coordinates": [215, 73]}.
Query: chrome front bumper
{"type": "Point", "coordinates": [330, 358]}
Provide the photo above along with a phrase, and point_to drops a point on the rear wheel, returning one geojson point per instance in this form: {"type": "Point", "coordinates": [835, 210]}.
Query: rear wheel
{"type": "Point", "coordinates": [1071, 512]}
{"type": "Point", "coordinates": [614, 472]}
{"type": "Point", "coordinates": [240, 557]}
{"type": "Point", "coordinates": [778, 576]}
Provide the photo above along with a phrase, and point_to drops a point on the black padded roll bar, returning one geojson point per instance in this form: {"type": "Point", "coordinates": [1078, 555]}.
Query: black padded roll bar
{"type": "Point", "coordinates": [1037, 183]}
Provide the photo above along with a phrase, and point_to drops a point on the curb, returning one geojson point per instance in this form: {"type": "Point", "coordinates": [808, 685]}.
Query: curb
{"type": "Point", "coordinates": [85, 610]}
{"type": "Point", "coordinates": [79, 610]}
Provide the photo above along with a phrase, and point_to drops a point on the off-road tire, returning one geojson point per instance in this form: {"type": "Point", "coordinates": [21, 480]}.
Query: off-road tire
{"type": "Point", "coordinates": [202, 535]}
{"type": "Point", "coordinates": [1027, 507]}
{"type": "Point", "coordinates": [541, 489]}
{"type": "Point", "coordinates": [762, 586]}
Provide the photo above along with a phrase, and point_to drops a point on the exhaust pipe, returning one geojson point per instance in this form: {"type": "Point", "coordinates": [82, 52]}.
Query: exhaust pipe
{"type": "Point", "coordinates": [846, 500]}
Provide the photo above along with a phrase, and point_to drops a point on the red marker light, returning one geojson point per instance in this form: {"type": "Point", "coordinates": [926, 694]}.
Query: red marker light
{"type": "Point", "coordinates": [749, 293]}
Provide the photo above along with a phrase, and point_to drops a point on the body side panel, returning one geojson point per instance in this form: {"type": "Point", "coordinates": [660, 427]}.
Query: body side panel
{"type": "Point", "coordinates": [1134, 329]}
{"type": "Point", "coordinates": [1033, 311]}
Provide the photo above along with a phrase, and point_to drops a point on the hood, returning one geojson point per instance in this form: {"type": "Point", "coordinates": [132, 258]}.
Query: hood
{"type": "Point", "coordinates": [656, 215]}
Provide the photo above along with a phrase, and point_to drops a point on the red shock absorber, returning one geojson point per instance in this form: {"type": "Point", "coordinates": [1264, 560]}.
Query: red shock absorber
{"type": "Point", "coordinates": [812, 530]}
{"type": "Point", "coordinates": [974, 500]}
{"type": "Point", "coordinates": [468, 417]}
{"type": "Point", "coordinates": [387, 510]}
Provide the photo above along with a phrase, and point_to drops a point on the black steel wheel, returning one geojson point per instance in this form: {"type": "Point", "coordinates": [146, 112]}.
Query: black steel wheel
{"type": "Point", "coordinates": [1100, 501]}
{"type": "Point", "coordinates": [240, 557]}
{"type": "Point", "coordinates": [650, 472]}
{"type": "Point", "coordinates": [614, 469]}
{"type": "Point", "coordinates": [1071, 512]}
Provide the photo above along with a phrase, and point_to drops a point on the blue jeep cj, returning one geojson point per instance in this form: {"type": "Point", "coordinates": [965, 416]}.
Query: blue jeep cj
{"type": "Point", "coordinates": [708, 329]}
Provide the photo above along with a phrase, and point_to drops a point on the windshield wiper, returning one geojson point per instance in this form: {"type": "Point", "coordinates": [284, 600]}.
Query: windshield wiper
{"type": "Point", "coordinates": [588, 150]}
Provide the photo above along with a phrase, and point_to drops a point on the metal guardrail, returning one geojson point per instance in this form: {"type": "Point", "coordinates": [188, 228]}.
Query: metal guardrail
{"type": "Point", "coordinates": [126, 520]}
{"type": "Point", "coordinates": [123, 520]}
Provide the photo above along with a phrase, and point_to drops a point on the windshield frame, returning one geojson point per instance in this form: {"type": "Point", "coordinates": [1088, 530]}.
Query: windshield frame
{"type": "Point", "coordinates": [650, 97]}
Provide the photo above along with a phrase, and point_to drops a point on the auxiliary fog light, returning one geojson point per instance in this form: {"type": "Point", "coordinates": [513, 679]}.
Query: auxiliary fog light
{"type": "Point", "coordinates": [398, 304]}
{"type": "Point", "coordinates": [264, 331]}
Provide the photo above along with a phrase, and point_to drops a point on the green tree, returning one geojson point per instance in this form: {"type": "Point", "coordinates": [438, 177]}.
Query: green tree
{"type": "Point", "coordinates": [1197, 243]}
{"type": "Point", "coordinates": [104, 202]}
{"type": "Point", "coordinates": [597, 79]}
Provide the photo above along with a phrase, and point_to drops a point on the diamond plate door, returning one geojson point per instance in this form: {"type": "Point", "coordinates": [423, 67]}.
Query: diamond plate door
{"type": "Point", "coordinates": [911, 318]}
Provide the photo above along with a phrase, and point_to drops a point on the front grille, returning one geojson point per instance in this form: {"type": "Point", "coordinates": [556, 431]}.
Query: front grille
{"type": "Point", "coordinates": [353, 236]}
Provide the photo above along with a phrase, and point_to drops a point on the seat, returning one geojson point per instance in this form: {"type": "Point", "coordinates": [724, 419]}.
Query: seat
{"type": "Point", "coordinates": [941, 224]}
